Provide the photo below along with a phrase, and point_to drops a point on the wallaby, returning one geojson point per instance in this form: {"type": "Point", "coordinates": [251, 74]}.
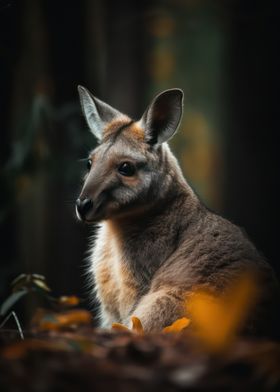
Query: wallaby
{"type": "Point", "coordinates": [155, 241]}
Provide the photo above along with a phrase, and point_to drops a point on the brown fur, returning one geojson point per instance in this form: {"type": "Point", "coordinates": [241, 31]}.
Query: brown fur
{"type": "Point", "coordinates": [134, 131]}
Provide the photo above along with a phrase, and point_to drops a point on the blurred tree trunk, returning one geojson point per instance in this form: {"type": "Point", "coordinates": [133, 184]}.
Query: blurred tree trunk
{"type": "Point", "coordinates": [116, 43]}
{"type": "Point", "coordinates": [31, 80]}
{"type": "Point", "coordinates": [253, 111]}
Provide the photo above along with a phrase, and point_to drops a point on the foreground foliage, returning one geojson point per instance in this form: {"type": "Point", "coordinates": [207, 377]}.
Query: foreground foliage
{"type": "Point", "coordinates": [61, 351]}
{"type": "Point", "coordinates": [92, 360]}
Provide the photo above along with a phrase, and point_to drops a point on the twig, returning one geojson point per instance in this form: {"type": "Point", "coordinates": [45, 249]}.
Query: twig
{"type": "Point", "coordinates": [13, 314]}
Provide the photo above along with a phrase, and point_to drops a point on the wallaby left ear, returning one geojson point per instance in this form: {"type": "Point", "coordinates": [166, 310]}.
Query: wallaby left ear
{"type": "Point", "coordinates": [97, 113]}
{"type": "Point", "coordinates": [162, 117]}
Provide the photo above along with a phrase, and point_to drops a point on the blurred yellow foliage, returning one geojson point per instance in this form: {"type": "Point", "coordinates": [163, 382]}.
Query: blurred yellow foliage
{"type": "Point", "coordinates": [218, 319]}
{"type": "Point", "coordinates": [162, 26]}
{"type": "Point", "coordinates": [201, 158]}
{"type": "Point", "coordinates": [162, 64]}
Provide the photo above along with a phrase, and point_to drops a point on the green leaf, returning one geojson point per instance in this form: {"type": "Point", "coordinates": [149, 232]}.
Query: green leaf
{"type": "Point", "coordinates": [41, 284]}
{"type": "Point", "coordinates": [19, 280]}
{"type": "Point", "coordinates": [38, 276]}
{"type": "Point", "coordinates": [30, 281]}
{"type": "Point", "coordinates": [11, 300]}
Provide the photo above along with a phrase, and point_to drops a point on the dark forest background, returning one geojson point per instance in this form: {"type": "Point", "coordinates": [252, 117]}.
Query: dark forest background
{"type": "Point", "coordinates": [224, 54]}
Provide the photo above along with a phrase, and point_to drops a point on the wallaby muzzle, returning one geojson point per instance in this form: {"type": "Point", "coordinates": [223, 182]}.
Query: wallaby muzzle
{"type": "Point", "coordinates": [83, 206]}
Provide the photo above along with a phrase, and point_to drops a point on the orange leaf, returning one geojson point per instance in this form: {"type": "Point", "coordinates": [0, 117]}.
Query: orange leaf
{"type": "Point", "coordinates": [71, 300]}
{"type": "Point", "coordinates": [56, 321]}
{"type": "Point", "coordinates": [177, 326]}
{"type": "Point", "coordinates": [120, 327]}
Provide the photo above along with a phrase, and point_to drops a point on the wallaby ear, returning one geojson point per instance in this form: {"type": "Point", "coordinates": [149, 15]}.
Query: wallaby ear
{"type": "Point", "coordinates": [162, 117]}
{"type": "Point", "coordinates": [97, 113]}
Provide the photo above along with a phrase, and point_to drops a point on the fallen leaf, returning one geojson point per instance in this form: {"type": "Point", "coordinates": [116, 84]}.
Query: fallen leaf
{"type": "Point", "coordinates": [44, 320]}
{"type": "Point", "coordinates": [120, 327]}
{"type": "Point", "coordinates": [177, 326]}
{"type": "Point", "coordinates": [71, 300]}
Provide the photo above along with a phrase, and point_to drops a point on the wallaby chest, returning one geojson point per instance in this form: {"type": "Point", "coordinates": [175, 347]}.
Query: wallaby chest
{"type": "Point", "coordinates": [117, 289]}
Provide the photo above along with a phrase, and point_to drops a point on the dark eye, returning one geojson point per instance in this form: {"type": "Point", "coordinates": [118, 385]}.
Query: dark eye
{"type": "Point", "coordinates": [89, 163]}
{"type": "Point", "coordinates": [126, 169]}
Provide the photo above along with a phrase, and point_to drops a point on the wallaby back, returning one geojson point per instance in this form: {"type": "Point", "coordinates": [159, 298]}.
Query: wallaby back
{"type": "Point", "coordinates": [156, 242]}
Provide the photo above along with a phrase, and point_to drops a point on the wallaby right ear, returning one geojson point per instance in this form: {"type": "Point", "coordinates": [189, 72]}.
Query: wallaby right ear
{"type": "Point", "coordinates": [97, 113]}
{"type": "Point", "coordinates": [162, 117]}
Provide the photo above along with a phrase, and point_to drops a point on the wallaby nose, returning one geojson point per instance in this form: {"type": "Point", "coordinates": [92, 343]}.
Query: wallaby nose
{"type": "Point", "coordinates": [84, 206]}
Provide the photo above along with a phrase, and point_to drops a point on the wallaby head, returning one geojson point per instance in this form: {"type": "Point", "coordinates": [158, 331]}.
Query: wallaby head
{"type": "Point", "coordinates": [131, 168]}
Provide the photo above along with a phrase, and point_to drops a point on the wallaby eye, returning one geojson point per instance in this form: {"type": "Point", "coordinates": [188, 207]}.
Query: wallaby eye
{"type": "Point", "coordinates": [126, 169]}
{"type": "Point", "coordinates": [89, 163]}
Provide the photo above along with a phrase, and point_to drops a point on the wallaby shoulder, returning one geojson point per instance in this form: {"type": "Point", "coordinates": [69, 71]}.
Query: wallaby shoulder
{"type": "Point", "coordinates": [212, 251]}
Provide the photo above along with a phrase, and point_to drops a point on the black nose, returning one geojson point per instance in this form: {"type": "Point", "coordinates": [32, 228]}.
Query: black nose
{"type": "Point", "coordinates": [84, 206]}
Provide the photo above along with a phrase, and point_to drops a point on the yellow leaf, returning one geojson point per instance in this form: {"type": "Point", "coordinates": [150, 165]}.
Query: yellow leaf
{"type": "Point", "coordinates": [178, 325]}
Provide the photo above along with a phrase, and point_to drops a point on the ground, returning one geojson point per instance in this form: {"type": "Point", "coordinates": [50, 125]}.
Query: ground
{"type": "Point", "coordinates": [87, 359]}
